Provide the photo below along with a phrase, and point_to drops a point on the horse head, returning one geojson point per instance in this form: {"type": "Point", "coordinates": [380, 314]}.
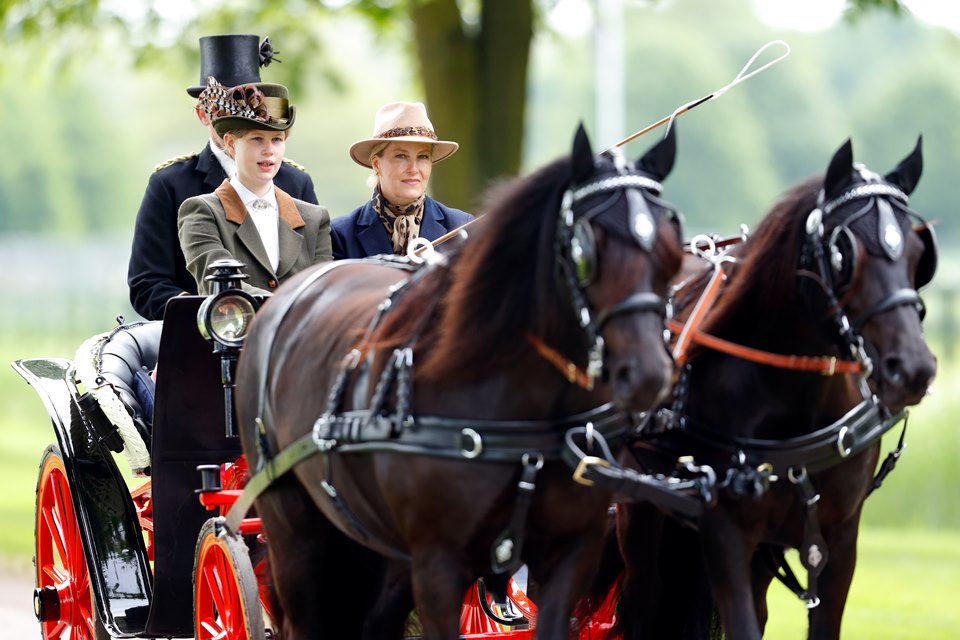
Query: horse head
{"type": "Point", "coordinates": [873, 254]}
{"type": "Point", "coordinates": [619, 246]}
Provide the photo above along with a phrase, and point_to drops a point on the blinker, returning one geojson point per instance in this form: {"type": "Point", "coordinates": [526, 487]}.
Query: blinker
{"type": "Point", "coordinates": [927, 267]}
{"type": "Point", "coordinates": [891, 238]}
{"type": "Point", "coordinates": [642, 224]}
{"type": "Point", "coordinates": [582, 243]}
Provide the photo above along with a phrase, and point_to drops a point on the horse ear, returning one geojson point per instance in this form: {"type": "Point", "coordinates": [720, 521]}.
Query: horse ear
{"type": "Point", "coordinates": [658, 161]}
{"type": "Point", "coordinates": [581, 159]}
{"type": "Point", "coordinates": [838, 173]}
{"type": "Point", "coordinates": [907, 174]}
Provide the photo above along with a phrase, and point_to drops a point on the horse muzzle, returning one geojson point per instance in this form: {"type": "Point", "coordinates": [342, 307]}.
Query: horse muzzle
{"type": "Point", "coordinates": [904, 377]}
{"type": "Point", "coordinates": [639, 382]}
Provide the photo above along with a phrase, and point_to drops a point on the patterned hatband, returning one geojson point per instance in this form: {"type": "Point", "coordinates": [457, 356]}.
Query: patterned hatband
{"type": "Point", "coordinates": [245, 101]}
{"type": "Point", "coordinates": [408, 131]}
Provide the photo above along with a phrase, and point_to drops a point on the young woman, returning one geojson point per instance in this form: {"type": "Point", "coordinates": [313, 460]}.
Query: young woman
{"type": "Point", "coordinates": [401, 153]}
{"type": "Point", "coordinates": [248, 218]}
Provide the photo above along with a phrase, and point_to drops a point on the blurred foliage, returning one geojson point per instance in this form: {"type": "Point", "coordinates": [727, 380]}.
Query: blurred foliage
{"type": "Point", "coordinates": [94, 99]}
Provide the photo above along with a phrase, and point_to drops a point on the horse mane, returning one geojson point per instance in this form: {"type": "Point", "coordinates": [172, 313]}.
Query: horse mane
{"type": "Point", "coordinates": [497, 286]}
{"type": "Point", "coordinates": [766, 284]}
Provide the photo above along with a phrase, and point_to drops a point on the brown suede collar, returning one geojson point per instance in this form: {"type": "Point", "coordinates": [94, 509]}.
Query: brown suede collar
{"type": "Point", "coordinates": [237, 213]}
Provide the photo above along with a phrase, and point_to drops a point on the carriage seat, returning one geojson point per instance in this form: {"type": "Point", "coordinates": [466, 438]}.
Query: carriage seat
{"type": "Point", "coordinates": [115, 367]}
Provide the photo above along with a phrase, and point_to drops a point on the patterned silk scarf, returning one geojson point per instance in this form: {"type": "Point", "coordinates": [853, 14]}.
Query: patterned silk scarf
{"type": "Point", "coordinates": [401, 223]}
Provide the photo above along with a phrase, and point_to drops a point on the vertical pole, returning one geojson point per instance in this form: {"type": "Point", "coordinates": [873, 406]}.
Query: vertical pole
{"type": "Point", "coordinates": [228, 369]}
{"type": "Point", "coordinates": [608, 72]}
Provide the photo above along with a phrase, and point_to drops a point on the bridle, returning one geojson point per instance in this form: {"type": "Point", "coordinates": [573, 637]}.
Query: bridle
{"type": "Point", "coordinates": [575, 254]}
{"type": "Point", "coordinates": [823, 258]}
{"type": "Point", "coordinates": [826, 255]}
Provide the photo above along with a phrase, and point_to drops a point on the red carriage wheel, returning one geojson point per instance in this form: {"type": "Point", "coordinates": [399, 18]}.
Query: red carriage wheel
{"type": "Point", "coordinates": [63, 600]}
{"type": "Point", "coordinates": [226, 604]}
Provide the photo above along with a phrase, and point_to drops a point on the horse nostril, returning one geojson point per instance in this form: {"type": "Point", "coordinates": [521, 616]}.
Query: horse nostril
{"type": "Point", "coordinates": [916, 377]}
{"type": "Point", "coordinates": [625, 377]}
{"type": "Point", "coordinates": [893, 370]}
{"type": "Point", "coordinates": [644, 385]}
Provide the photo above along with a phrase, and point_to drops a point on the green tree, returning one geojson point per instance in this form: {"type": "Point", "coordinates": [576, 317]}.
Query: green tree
{"type": "Point", "coordinates": [472, 57]}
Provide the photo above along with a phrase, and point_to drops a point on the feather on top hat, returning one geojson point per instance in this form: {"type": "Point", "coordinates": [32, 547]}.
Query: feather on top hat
{"type": "Point", "coordinates": [402, 121]}
{"type": "Point", "coordinates": [247, 106]}
{"type": "Point", "coordinates": [233, 59]}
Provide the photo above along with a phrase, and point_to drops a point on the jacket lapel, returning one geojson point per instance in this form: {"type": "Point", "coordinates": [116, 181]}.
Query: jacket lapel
{"type": "Point", "coordinates": [431, 227]}
{"type": "Point", "coordinates": [247, 233]}
{"type": "Point", "coordinates": [370, 233]}
{"type": "Point", "coordinates": [291, 240]}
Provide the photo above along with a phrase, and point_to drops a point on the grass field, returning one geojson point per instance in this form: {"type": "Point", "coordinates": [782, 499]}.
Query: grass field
{"type": "Point", "coordinates": [907, 585]}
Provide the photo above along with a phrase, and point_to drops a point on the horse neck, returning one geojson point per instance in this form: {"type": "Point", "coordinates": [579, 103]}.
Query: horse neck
{"type": "Point", "coordinates": [749, 399]}
{"type": "Point", "coordinates": [494, 295]}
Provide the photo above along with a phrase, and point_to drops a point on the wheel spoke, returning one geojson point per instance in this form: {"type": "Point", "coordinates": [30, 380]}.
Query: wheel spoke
{"type": "Point", "coordinates": [220, 600]}
{"type": "Point", "coordinates": [220, 592]}
{"type": "Point", "coordinates": [62, 514]}
{"type": "Point", "coordinates": [55, 573]}
{"type": "Point", "coordinates": [52, 519]}
{"type": "Point", "coordinates": [85, 619]}
{"type": "Point", "coordinates": [231, 595]}
{"type": "Point", "coordinates": [57, 631]}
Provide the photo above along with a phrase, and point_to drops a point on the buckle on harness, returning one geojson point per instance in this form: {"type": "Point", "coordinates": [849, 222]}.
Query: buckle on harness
{"type": "Point", "coordinates": [584, 465]}
{"type": "Point", "coordinates": [831, 367]}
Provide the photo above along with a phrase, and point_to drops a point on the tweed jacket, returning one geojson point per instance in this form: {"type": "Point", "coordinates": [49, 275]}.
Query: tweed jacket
{"type": "Point", "coordinates": [360, 233]}
{"type": "Point", "coordinates": [157, 269]}
{"type": "Point", "coordinates": [216, 226]}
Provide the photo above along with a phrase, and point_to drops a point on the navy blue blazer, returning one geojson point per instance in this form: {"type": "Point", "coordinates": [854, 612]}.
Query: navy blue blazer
{"type": "Point", "coordinates": [360, 233]}
{"type": "Point", "coordinates": [157, 269]}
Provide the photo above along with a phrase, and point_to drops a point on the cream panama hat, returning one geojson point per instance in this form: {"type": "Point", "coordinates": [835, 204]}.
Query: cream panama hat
{"type": "Point", "coordinates": [402, 121]}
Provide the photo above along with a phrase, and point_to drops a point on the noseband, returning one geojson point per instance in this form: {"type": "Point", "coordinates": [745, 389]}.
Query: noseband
{"type": "Point", "coordinates": [575, 251]}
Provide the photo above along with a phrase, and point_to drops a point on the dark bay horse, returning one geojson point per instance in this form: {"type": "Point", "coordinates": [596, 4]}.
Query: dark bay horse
{"type": "Point", "coordinates": [832, 270]}
{"type": "Point", "coordinates": [438, 399]}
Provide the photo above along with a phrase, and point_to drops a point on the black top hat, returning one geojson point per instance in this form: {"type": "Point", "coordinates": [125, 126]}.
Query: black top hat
{"type": "Point", "coordinates": [232, 59]}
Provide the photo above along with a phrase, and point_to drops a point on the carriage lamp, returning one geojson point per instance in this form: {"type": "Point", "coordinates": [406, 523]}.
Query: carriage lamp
{"type": "Point", "coordinates": [224, 319]}
{"type": "Point", "coordinates": [225, 274]}
{"type": "Point", "coordinates": [225, 316]}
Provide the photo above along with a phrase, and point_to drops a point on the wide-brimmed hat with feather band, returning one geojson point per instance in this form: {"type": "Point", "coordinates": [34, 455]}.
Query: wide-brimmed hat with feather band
{"type": "Point", "coordinates": [248, 106]}
{"type": "Point", "coordinates": [406, 122]}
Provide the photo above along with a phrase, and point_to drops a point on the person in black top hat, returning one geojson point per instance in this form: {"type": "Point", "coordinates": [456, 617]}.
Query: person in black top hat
{"type": "Point", "coordinates": [157, 270]}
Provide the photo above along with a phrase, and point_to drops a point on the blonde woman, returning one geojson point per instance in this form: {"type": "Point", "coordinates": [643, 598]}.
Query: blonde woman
{"type": "Point", "coordinates": [401, 152]}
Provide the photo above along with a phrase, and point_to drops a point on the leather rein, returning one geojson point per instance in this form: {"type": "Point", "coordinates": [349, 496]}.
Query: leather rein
{"type": "Point", "coordinates": [689, 333]}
